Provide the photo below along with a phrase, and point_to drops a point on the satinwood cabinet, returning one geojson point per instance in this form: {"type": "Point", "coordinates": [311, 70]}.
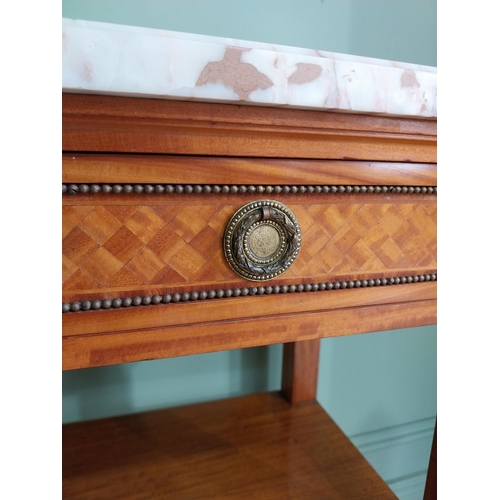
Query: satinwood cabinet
{"type": "Point", "coordinates": [149, 190]}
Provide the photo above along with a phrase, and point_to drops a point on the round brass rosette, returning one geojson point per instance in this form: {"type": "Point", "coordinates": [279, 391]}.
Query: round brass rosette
{"type": "Point", "coordinates": [262, 240]}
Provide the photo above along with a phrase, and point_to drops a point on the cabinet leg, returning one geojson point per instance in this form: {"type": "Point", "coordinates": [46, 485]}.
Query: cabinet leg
{"type": "Point", "coordinates": [431, 483]}
{"type": "Point", "coordinates": [300, 371]}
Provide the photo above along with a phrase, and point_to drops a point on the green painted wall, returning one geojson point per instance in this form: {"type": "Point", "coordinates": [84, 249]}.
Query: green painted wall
{"type": "Point", "coordinates": [389, 29]}
{"type": "Point", "coordinates": [121, 389]}
{"type": "Point", "coordinates": [381, 387]}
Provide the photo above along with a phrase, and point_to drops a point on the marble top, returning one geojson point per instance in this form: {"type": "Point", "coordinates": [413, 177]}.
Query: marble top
{"type": "Point", "coordinates": [112, 59]}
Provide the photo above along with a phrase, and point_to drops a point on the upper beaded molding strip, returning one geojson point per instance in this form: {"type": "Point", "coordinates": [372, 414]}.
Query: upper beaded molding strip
{"type": "Point", "coordinates": [167, 298]}
{"type": "Point", "coordinates": [250, 189]}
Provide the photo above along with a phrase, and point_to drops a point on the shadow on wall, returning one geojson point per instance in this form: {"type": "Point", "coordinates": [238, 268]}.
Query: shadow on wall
{"type": "Point", "coordinates": [251, 369]}
{"type": "Point", "coordinates": [122, 389]}
{"type": "Point", "coordinates": [96, 393]}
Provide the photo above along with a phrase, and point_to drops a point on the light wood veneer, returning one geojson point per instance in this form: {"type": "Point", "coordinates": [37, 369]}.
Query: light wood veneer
{"type": "Point", "coordinates": [253, 447]}
{"type": "Point", "coordinates": [120, 245]}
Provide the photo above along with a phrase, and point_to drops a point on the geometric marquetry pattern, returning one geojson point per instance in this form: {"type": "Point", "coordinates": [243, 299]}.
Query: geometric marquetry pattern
{"type": "Point", "coordinates": [113, 246]}
{"type": "Point", "coordinates": [339, 239]}
{"type": "Point", "coordinates": [121, 246]}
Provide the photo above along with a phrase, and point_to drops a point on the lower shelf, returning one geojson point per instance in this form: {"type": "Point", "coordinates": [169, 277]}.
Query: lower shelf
{"type": "Point", "coordinates": [251, 447]}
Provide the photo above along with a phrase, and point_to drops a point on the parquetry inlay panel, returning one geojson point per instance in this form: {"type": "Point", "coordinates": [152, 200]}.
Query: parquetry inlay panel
{"type": "Point", "coordinates": [117, 246]}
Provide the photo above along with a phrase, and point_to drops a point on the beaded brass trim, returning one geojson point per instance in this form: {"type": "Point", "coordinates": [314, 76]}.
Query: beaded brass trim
{"type": "Point", "coordinates": [168, 298]}
{"type": "Point", "coordinates": [72, 189]}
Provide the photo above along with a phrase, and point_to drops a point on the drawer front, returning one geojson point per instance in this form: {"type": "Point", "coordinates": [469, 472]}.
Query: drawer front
{"type": "Point", "coordinates": [127, 245]}
{"type": "Point", "coordinates": [145, 274]}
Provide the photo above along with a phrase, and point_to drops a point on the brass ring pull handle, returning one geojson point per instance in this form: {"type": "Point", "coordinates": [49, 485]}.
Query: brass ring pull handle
{"type": "Point", "coordinates": [262, 240]}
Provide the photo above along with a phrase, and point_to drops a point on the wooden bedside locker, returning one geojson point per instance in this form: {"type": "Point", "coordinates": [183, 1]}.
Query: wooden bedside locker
{"type": "Point", "coordinates": [337, 236]}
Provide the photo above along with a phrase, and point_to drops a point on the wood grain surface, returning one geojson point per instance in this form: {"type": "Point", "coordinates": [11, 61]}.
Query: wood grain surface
{"type": "Point", "coordinates": [259, 446]}
{"type": "Point", "coordinates": [115, 245]}
{"type": "Point", "coordinates": [128, 125]}
{"type": "Point", "coordinates": [176, 169]}
{"type": "Point", "coordinates": [235, 308]}
{"type": "Point", "coordinates": [198, 337]}
{"type": "Point", "coordinates": [253, 447]}
{"type": "Point", "coordinates": [300, 371]}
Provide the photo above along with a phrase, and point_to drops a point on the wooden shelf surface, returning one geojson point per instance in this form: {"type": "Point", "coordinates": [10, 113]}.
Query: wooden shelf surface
{"type": "Point", "coordinates": [251, 447]}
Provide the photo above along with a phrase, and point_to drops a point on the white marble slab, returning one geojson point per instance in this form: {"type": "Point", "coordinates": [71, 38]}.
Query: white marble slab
{"type": "Point", "coordinates": [102, 58]}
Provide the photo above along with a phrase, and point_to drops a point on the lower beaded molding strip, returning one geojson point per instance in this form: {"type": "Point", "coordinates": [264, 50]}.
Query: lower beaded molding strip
{"type": "Point", "coordinates": [168, 298]}
{"type": "Point", "coordinates": [72, 189]}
